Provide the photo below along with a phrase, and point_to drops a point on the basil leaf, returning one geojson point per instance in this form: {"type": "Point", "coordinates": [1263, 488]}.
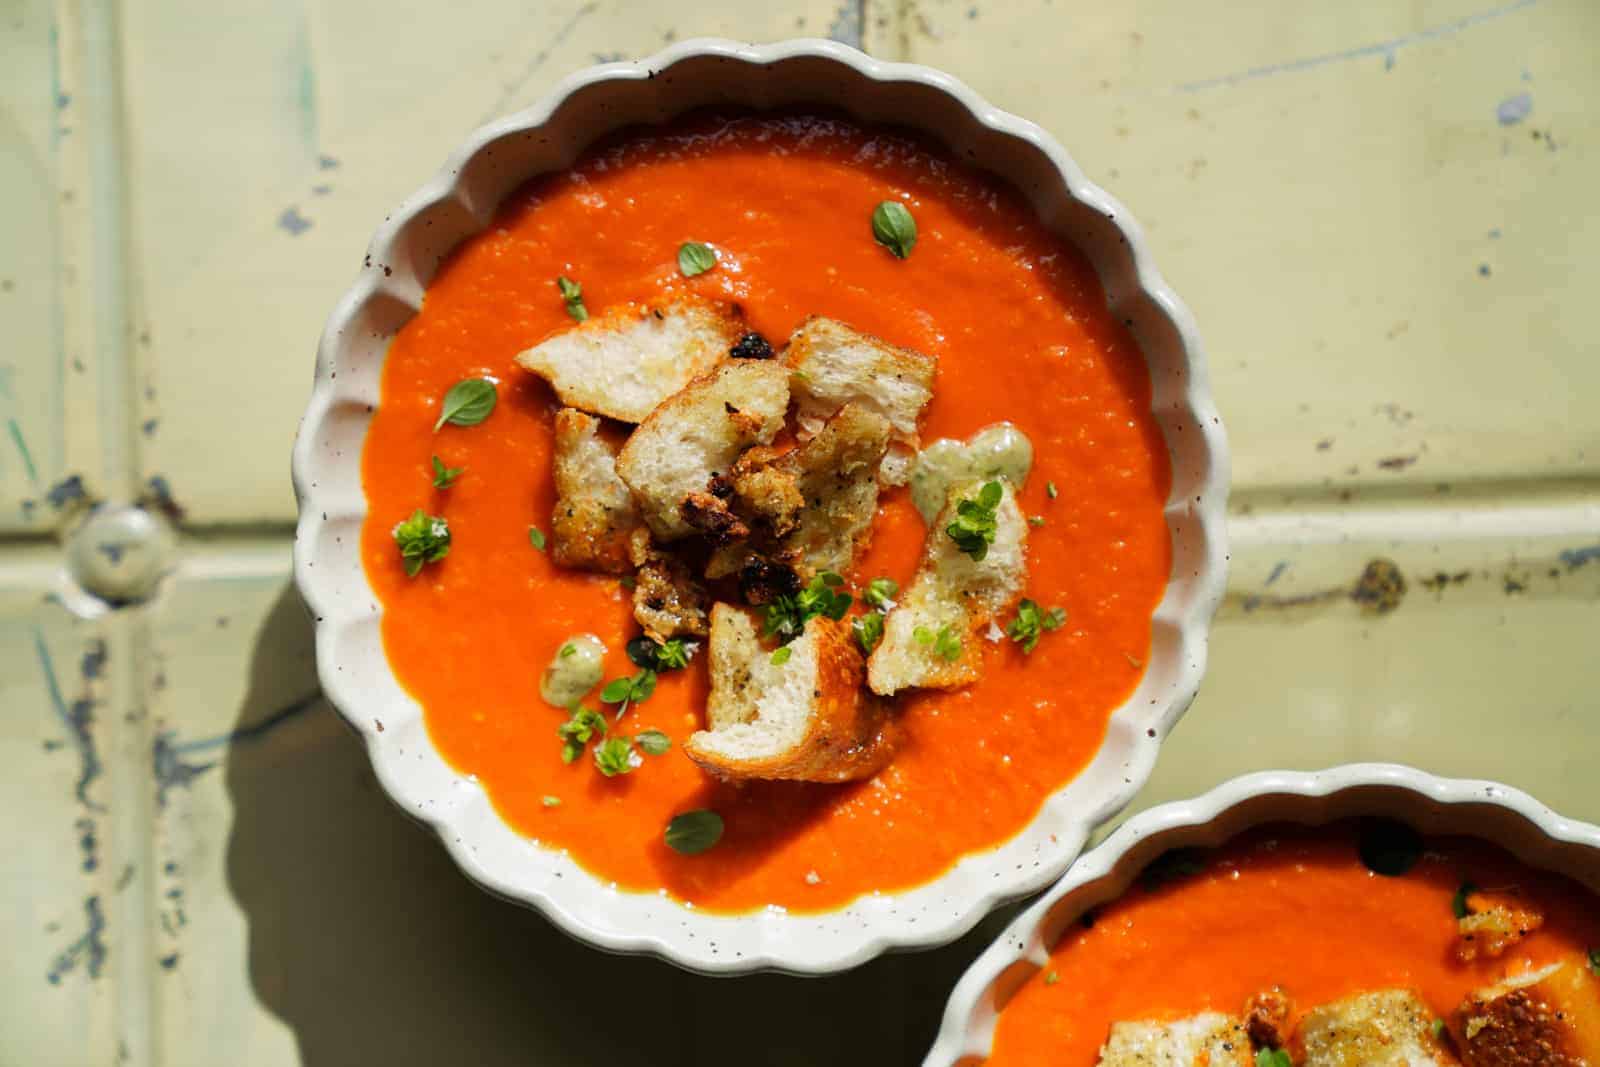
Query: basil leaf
{"type": "Point", "coordinates": [614, 756]}
{"type": "Point", "coordinates": [536, 537]}
{"type": "Point", "coordinates": [444, 477]}
{"type": "Point", "coordinates": [695, 258]}
{"type": "Point", "coordinates": [572, 296]}
{"type": "Point", "coordinates": [617, 690]}
{"type": "Point", "coordinates": [1273, 1057]}
{"type": "Point", "coordinates": [693, 832]}
{"type": "Point", "coordinates": [422, 539]}
{"type": "Point", "coordinates": [894, 228]}
{"type": "Point", "coordinates": [654, 742]}
{"type": "Point", "coordinates": [468, 403]}
{"type": "Point", "coordinates": [1051, 978]}
{"type": "Point", "coordinates": [551, 802]}
{"type": "Point", "coordinates": [869, 631]}
{"type": "Point", "coordinates": [781, 655]}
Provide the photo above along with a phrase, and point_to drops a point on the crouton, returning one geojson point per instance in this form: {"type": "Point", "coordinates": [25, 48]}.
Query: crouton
{"type": "Point", "coordinates": [814, 503]}
{"type": "Point", "coordinates": [951, 598]}
{"type": "Point", "coordinates": [1550, 1016]}
{"type": "Point", "coordinates": [1266, 1018]}
{"type": "Point", "coordinates": [626, 361]}
{"type": "Point", "coordinates": [832, 365]}
{"type": "Point", "coordinates": [806, 718]}
{"type": "Point", "coordinates": [1385, 1028]}
{"type": "Point", "coordinates": [674, 457]}
{"type": "Point", "coordinates": [594, 517]}
{"type": "Point", "coordinates": [667, 599]}
{"type": "Point", "coordinates": [1493, 923]}
{"type": "Point", "coordinates": [1209, 1039]}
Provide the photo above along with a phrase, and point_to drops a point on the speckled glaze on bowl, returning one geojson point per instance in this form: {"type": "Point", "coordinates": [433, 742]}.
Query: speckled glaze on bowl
{"type": "Point", "coordinates": [459, 202]}
{"type": "Point", "coordinates": [1494, 813]}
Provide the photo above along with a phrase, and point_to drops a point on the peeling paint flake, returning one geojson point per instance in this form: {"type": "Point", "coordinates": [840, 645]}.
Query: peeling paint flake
{"type": "Point", "coordinates": [89, 949]}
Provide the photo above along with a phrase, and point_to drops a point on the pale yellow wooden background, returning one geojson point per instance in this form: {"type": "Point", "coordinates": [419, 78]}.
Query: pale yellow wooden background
{"type": "Point", "coordinates": [1383, 215]}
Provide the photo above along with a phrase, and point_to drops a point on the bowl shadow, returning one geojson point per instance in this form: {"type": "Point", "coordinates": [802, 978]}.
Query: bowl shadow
{"type": "Point", "coordinates": [372, 947]}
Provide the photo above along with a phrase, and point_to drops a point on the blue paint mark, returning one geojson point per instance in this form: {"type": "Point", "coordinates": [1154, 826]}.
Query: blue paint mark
{"type": "Point", "coordinates": [1386, 49]}
{"type": "Point", "coordinates": [22, 450]}
{"type": "Point", "coordinates": [112, 551]}
{"type": "Point", "coordinates": [846, 25]}
{"type": "Point", "coordinates": [1388, 61]}
{"type": "Point", "coordinates": [63, 99]}
{"type": "Point", "coordinates": [327, 163]}
{"type": "Point", "coordinates": [91, 947]}
{"type": "Point", "coordinates": [66, 492]}
{"type": "Point", "coordinates": [1494, 234]}
{"type": "Point", "coordinates": [1277, 571]}
{"type": "Point", "coordinates": [321, 190]}
{"type": "Point", "coordinates": [1577, 557]}
{"type": "Point", "coordinates": [76, 719]}
{"type": "Point", "coordinates": [172, 771]}
{"type": "Point", "coordinates": [293, 222]}
{"type": "Point", "coordinates": [1483, 270]}
{"type": "Point", "coordinates": [1513, 109]}
{"type": "Point", "coordinates": [94, 661]}
{"type": "Point", "coordinates": [149, 427]}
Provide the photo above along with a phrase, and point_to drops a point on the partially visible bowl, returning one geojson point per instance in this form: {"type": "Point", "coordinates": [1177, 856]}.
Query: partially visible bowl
{"type": "Point", "coordinates": [459, 202]}
{"type": "Point", "coordinates": [1503, 816]}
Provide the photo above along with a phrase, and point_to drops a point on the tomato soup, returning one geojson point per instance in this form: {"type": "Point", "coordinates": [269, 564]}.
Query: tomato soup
{"type": "Point", "coordinates": [1282, 907]}
{"type": "Point", "coordinates": [1017, 323]}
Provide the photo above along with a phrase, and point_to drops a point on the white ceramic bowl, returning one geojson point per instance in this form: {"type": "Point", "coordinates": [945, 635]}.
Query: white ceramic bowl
{"type": "Point", "coordinates": [460, 201]}
{"type": "Point", "coordinates": [1495, 813]}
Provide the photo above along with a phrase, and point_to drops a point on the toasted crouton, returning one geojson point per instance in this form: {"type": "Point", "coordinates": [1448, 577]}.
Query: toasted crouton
{"type": "Point", "coordinates": [1385, 1028]}
{"type": "Point", "coordinates": [594, 516]}
{"type": "Point", "coordinates": [833, 365]}
{"type": "Point", "coordinates": [1266, 1018]}
{"type": "Point", "coordinates": [668, 601]}
{"type": "Point", "coordinates": [815, 502]}
{"type": "Point", "coordinates": [1550, 1016]}
{"type": "Point", "coordinates": [1494, 922]}
{"type": "Point", "coordinates": [806, 718]}
{"type": "Point", "coordinates": [951, 591]}
{"type": "Point", "coordinates": [626, 361]}
{"type": "Point", "coordinates": [673, 456]}
{"type": "Point", "coordinates": [1209, 1039]}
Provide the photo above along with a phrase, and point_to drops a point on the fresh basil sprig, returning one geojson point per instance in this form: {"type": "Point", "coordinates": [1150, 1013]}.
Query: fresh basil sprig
{"type": "Point", "coordinates": [653, 742]}
{"type": "Point", "coordinates": [974, 527]}
{"type": "Point", "coordinates": [946, 645]}
{"type": "Point", "coordinates": [423, 539]}
{"type": "Point", "coordinates": [614, 756]}
{"type": "Point", "coordinates": [894, 228]}
{"type": "Point", "coordinates": [468, 403]}
{"type": "Point", "coordinates": [627, 691]}
{"type": "Point", "coordinates": [1032, 622]}
{"type": "Point", "coordinates": [868, 629]}
{"type": "Point", "coordinates": [693, 832]}
{"type": "Point", "coordinates": [572, 296]}
{"type": "Point", "coordinates": [669, 655]}
{"type": "Point", "coordinates": [583, 725]}
{"type": "Point", "coordinates": [786, 617]}
{"type": "Point", "coordinates": [695, 258]}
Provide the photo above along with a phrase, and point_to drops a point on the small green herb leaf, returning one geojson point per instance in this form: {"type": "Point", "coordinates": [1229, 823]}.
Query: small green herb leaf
{"type": "Point", "coordinates": [614, 756]}
{"type": "Point", "coordinates": [1458, 903]}
{"type": "Point", "coordinates": [1594, 961]}
{"type": "Point", "coordinates": [617, 690]}
{"type": "Point", "coordinates": [568, 649]}
{"type": "Point", "coordinates": [572, 296]}
{"type": "Point", "coordinates": [583, 725]}
{"type": "Point", "coordinates": [781, 655]}
{"type": "Point", "coordinates": [894, 228]}
{"type": "Point", "coordinates": [786, 617]}
{"type": "Point", "coordinates": [693, 832]}
{"type": "Point", "coordinates": [1035, 520]}
{"type": "Point", "coordinates": [1051, 978]}
{"type": "Point", "coordinates": [444, 477]}
{"type": "Point", "coordinates": [869, 631]}
{"type": "Point", "coordinates": [536, 537]}
{"type": "Point", "coordinates": [626, 691]}
{"type": "Point", "coordinates": [670, 655]}
{"type": "Point", "coordinates": [695, 258]}
{"type": "Point", "coordinates": [468, 403]}
{"type": "Point", "coordinates": [1050, 490]}
{"type": "Point", "coordinates": [423, 539]}
{"type": "Point", "coordinates": [1273, 1057]}
{"type": "Point", "coordinates": [946, 645]}
{"type": "Point", "coordinates": [974, 527]}
{"type": "Point", "coordinates": [1438, 1029]}
{"type": "Point", "coordinates": [551, 802]}
{"type": "Point", "coordinates": [880, 593]}
{"type": "Point", "coordinates": [1031, 623]}
{"type": "Point", "coordinates": [654, 742]}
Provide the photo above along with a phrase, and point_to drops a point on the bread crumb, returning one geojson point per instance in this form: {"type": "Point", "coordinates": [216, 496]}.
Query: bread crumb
{"type": "Point", "coordinates": [812, 878]}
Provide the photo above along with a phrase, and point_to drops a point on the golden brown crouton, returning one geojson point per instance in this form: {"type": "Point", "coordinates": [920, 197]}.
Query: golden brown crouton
{"type": "Point", "coordinates": [1266, 1018]}
{"type": "Point", "coordinates": [1209, 1039]}
{"type": "Point", "coordinates": [1385, 1028]}
{"type": "Point", "coordinates": [676, 455]}
{"type": "Point", "coordinates": [1494, 922]}
{"type": "Point", "coordinates": [931, 638]}
{"type": "Point", "coordinates": [626, 361]}
{"type": "Point", "coordinates": [668, 601]}
{"type": "Point", "coordinates": [1549, 1017]}
{"type": "Point", "coordinates": [594, 516]}
{"type": "Point", "coordinates": [804, 717]}
{"type": "Point", "coordinates": [833, 365]}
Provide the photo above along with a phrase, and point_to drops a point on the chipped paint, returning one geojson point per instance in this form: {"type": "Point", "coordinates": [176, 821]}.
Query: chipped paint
{"type": "Point", "coordinates": [1577, 557]}
{"type": "Point", "coordinates": [292, 222]}
{"type": "Point", "coordinates": [77, 719]}
{"type": "Point", "coordinates": [68, 490]}
{"type": "Point", "coordinates": [172, 771]}
{"type": "Point", "coordinates": [89, 948]}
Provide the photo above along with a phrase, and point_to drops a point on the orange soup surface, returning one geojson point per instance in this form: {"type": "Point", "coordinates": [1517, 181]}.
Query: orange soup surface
{"type": "Point", "coordinates": [1017, 323]}
{"type": "Point", "coordinates": [1285, 907]}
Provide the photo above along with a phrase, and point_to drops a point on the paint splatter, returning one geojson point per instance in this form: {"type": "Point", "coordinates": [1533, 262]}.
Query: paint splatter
{"type": "Point", "coordinates": [292, 222]}
{"type": "Point", "coordinates": [77, 719]}
{"type": "Point", "coordinates": [22, 450]}
{"type": "Point", "coordinates": [67, 491]}
{"type": "Point", "coordinates": [1483, 270]}
{"type": "Point", "coordinates": [149, 427]}
{"type": "Point", "coordinates": [158, 494]}
{"type": "Point", "coordinates": [94, 661]}
{"type": "Point", "coordinates": [1277, 571]}
{"type": "Point", "coordinates": [88, 843]}
{"type": "Point", "coordinates": [171, 771]}
{"type": "Point", "coordinates": [327, 162]}
{"type": "Point", "coordinates": [1396, 463]}
{"type": "Point", "coordinates": [846, 25]}
{"type": "Point", "coordinates": [1577, 557]}
{"type": "Point", "coordinates": [1513, 109]}
{"type": "Point", "coordinates": [89, 948]}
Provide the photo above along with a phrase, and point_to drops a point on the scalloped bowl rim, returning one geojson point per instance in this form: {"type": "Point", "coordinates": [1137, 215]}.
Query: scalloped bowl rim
{"type": "Point", "coordinates": [358, 681]}
{"type": "Point", "coordinates": [967, 1027]}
